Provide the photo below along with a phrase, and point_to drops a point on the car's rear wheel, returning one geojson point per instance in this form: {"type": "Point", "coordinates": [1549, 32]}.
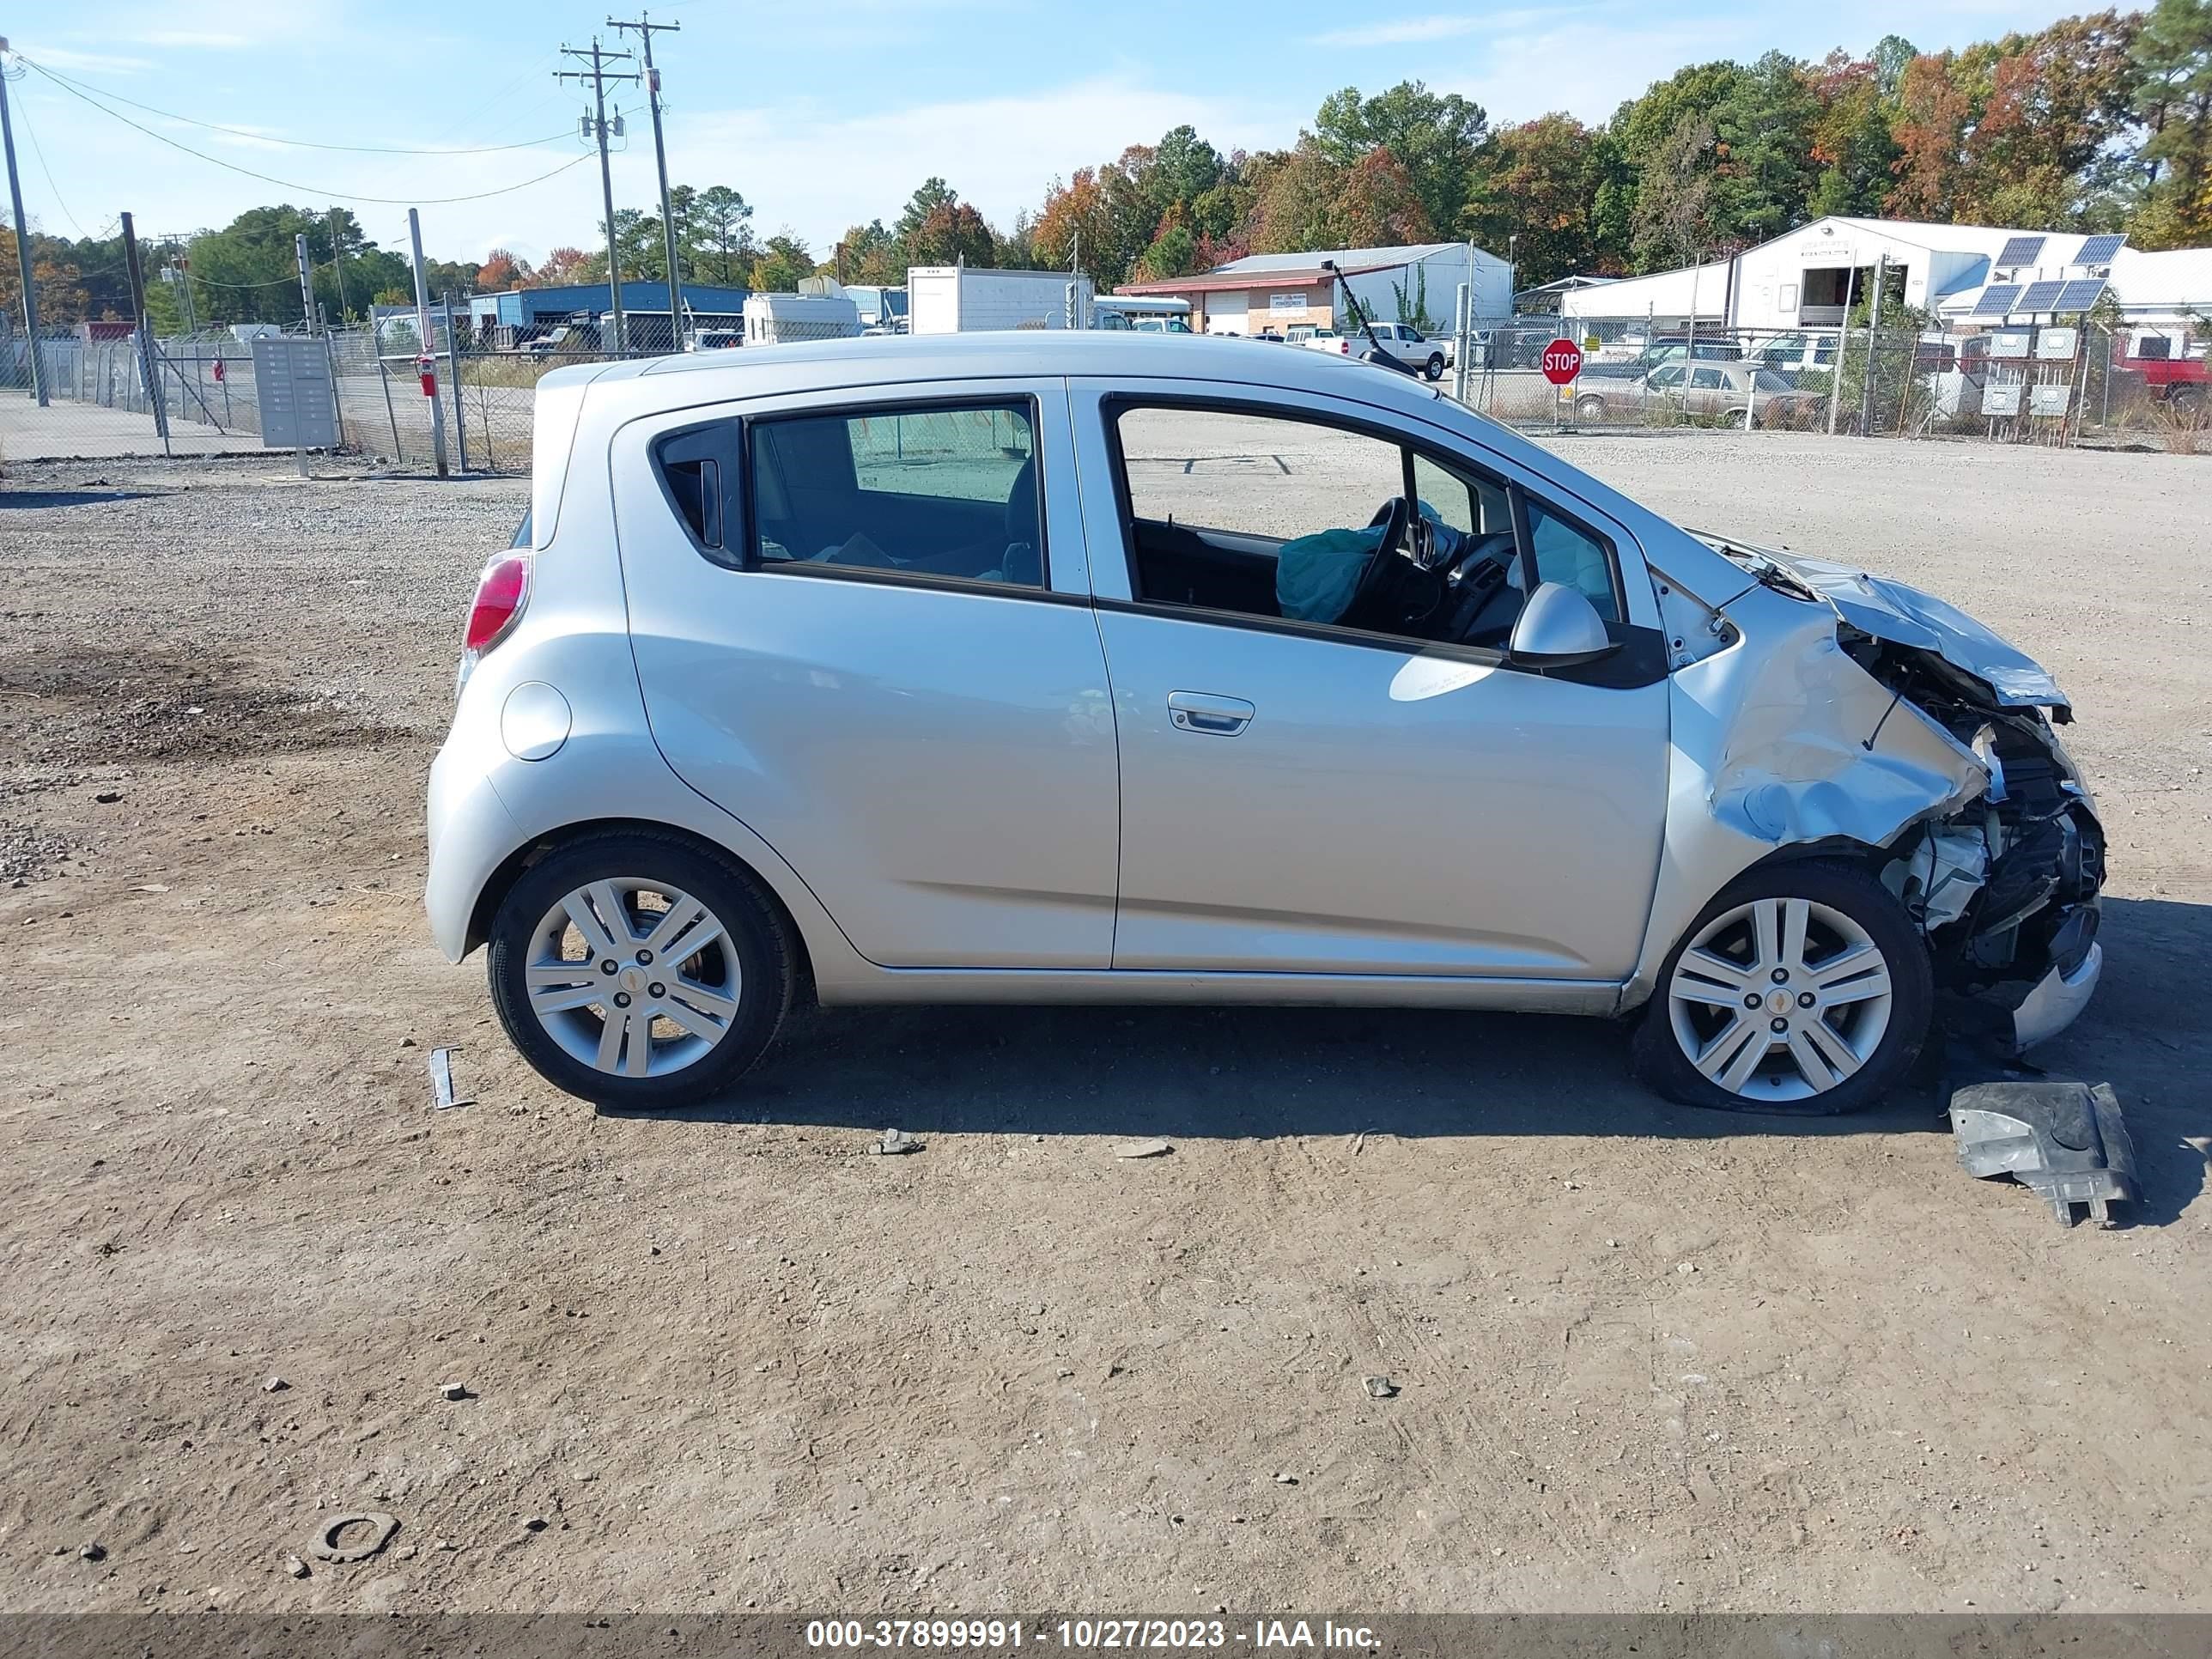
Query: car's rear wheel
{"type": "Point", "coordinates": [635, 970]}
{"type": "Point", "coordinates": [1435, 367]}
{"type": "Point", "coordinates": [1589, 408]}
{"type": "Point", "coordinates": [1803, 988]}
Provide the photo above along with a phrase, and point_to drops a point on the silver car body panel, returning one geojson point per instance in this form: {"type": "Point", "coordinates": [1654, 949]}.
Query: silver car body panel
{"type": "Point", "coordinates": [1380, 811]}
{"type": "Point", "coordinates": [1887, 609]}
{"type": "Point", "coordinates": [939, 766]}
{"type": "Point", "coordinates": [1553, 868]}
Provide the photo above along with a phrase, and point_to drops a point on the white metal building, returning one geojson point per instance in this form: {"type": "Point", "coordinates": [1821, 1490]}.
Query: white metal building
{"type": "Point", "coordinates": [1275, 291]}
{"type": "Point", "coordinates": [1668, 299]}
{"type": "Point", "coordinates": [1810, 277]}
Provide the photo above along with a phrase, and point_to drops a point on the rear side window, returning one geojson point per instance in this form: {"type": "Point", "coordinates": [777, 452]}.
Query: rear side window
{"type": "Point", "coordinates": [945, 492]}
{"type": "Point", "coordinates": [698, 475]}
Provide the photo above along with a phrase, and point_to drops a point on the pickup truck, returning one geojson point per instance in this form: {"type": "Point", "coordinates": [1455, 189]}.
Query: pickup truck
{"type": "Point", "coordinates": [2179, 382]}
{"type": "Point", "coordinates": [1402, 341]}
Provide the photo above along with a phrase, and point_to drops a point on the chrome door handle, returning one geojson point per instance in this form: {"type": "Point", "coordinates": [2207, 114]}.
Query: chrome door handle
{"type": "Point", "coordinates": [1209, 715]}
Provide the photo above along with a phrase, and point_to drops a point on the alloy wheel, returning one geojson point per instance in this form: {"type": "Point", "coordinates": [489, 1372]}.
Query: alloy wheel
{"type": "Point", "coordinates": [1780, 999]}
{"type": "Point", "coordinates": [633, 978]}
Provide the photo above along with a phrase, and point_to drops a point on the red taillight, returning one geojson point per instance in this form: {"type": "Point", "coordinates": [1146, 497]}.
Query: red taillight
{"type": "Point", "coordinates": [501, 593]}
{"type": "Point", "coordinates": [1343, 348]}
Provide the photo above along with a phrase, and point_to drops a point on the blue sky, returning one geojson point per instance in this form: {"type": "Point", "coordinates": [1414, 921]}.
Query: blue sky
{"type": "Point", "coordinates": [822, 112]}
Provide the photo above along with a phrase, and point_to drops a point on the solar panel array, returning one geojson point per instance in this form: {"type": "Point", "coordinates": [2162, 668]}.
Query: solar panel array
{"type": "Point", "coordinates": [2100, 250]}
{"type": "Point", "coordinates": [2079, 294]}
{"type": "Point", "coordinates": [1997, 301]}
{"type": "Point", "coordinates": [2021, 250]}
{"type": "Point", "coordinates": [2041, 297]}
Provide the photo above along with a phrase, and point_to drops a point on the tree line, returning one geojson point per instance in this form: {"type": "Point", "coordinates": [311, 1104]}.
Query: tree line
{"type": "Point", "coordinates": [2101, 122]}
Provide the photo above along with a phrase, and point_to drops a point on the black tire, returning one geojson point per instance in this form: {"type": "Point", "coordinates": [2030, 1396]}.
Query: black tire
{"type": "Point", "coordinates": [1435, 369]}
{"type": "Point", "coordinates": [1589, 408]}
{"type": "Point", "coordinates": [1662, 1064]}
{"type": "Point", "coordinates": [754, 925]}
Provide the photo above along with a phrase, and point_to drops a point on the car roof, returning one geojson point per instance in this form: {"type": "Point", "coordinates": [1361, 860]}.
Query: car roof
{"type": "Point", "coordinates": [1012, 354]}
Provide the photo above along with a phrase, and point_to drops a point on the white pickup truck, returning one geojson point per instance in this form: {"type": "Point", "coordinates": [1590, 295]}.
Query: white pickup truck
{"type": "Point", "coordinates": [1402, 341]}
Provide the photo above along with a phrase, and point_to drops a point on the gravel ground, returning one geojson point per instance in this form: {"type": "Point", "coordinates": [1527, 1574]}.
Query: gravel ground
{"type": "Point", "coordinates": [1647, 1358]}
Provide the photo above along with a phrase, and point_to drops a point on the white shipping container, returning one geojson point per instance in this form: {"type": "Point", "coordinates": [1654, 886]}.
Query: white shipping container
{"type": "Point", "coordinates": [957, 299]}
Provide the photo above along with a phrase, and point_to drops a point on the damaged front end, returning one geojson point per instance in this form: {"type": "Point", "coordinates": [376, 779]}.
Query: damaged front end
{"type": "Point", "coordinates": [2005, 886]}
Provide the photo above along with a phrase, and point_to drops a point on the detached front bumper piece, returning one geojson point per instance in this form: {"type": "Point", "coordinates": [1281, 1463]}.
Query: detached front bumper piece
{"type": "Point", "coordinates": [2066, 1140]}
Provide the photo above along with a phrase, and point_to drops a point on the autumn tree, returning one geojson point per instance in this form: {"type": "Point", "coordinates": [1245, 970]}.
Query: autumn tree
{"type": "Point", "coordinates": [1538, 182]}
{"type": "Point", "coordinates": [1850, 143]}
{"type": "Point", "coordinates": [501, 271]}
{"type": "Point", "coordinates": [566, 266]}
{"type": "Point", "coordinates": [1929, 131]}
{"type": "Point", "coordinates": [950, 234]}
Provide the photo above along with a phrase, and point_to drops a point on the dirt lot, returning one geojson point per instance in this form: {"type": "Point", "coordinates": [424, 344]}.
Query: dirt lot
{"type": "Point", "coordinates": [1648, 1358]}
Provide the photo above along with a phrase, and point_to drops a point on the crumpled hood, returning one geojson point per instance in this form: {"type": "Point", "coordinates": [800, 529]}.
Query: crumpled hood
{"type": "Point", "coordinates": [1904, 614]}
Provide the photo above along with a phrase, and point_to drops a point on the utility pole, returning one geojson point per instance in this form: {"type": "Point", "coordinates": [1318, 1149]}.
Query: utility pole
{"type": "Point", "coordinates": [645, 27]}
{"type": "Point", "coordinates": [143, 330]}
{"type": "Point", "coordinates": [599, 74]}
{"type": "Point", "coordinates": [427, 363]}
{"type": "Point", "coordinates": [306, 283]}
{"type": "Point", "coordinates": [338, 262]}
{"type": "Point", "coordinates": [1874, 345]}
{"type": "Point", "coordinates": [22, 237]}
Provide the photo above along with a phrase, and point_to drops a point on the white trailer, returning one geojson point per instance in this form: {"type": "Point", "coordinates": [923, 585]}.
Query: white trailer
{"type": "Point", "coordinates": [966, 299]}
{"type": "Point", "coordinates": [774, 319]}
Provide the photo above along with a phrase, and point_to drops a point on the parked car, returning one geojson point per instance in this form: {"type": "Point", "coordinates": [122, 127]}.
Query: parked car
{"type": "Point", "coordinates": [1742, 393]}
{"type": "Point", "coordinates": [1007, 668]}
{"type": "Point", "coordinates": [1402, 342]}
{"type": "Point", "coordinates": [1793, 354]}
{"type": "Point", "coordinates": [2178, 381]}
{"type": "Point", "coordinates": [1665, 350]}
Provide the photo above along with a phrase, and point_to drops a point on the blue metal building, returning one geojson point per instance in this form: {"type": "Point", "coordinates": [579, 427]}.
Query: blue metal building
{"type": "Point", "coordinates": [530, 312]}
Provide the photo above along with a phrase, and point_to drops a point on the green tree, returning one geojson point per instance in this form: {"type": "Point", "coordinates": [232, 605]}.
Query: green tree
{"type": "Point", "coordinates": [1762, 151]}
{"type": "Point", "coordinates": [783, 263]}
{"type": "Point", "coordinates": [2173, 100]}
{"type": "Point", "coordinates": [1436, 139]}
{"type": "Point", "coordinates": [869, 253]}
{"type": "Point", "coordinates": [721, 249]}
{"type": "Point", "coordinates": [1676, 198]}
{"type": "Point", "coordinates": [932, 194]}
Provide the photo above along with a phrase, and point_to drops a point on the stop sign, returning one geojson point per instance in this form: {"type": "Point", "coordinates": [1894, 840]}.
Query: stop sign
{"type": "Point", "coordinates": [1562, 362]}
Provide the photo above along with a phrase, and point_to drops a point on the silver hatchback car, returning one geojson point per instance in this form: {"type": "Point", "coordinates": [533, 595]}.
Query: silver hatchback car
{"type": "Point", "coordinates": [1061, 667]}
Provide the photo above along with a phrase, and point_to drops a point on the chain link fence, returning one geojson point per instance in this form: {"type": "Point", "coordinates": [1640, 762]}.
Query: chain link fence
{"type": "Point", "coordinates": [2045, 383]}
{"type": "Point", "coordinates": [196, 394]}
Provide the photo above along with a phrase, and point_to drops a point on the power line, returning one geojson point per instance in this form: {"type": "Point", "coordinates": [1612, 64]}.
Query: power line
{"type": "Point", "coordinates": [39, 150]}
{"type": "Point", "coordinates": [293, 183]}
{"type": "Point", "coordinates": [87, 88]}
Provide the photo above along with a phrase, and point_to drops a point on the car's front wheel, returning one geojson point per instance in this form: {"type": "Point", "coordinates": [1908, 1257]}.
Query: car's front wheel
{"type": "Point", "coordinates": [1589, 408]}
{"type": "Point", "coordinates": [635, 970]}
{"type": "Point", "coordinates": [1803, 988]}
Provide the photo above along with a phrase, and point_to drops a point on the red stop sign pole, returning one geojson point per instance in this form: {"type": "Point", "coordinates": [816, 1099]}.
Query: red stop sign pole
{"type": "Point", "coordinates": [1562, 362]}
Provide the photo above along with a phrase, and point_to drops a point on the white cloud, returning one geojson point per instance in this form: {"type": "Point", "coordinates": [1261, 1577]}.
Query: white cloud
{"type": "Point", "coordinates": [822, 171]}
{"type": "Point", "coordinates": [82, 63]}
{"type": "Point", "coordinates": [1403, 31]}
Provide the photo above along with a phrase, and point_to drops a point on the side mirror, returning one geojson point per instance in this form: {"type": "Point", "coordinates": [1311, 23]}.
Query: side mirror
{"type": "Point", "coordinates": [1559, 627]}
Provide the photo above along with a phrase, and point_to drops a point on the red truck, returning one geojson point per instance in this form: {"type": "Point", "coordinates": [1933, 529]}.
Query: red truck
{"type": "Point", "coordinates": [2179, 381]}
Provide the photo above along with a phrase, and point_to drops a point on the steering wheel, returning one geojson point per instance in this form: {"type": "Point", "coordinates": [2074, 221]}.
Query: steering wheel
{"type": "Point", "coordinates": [1384, 566]}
